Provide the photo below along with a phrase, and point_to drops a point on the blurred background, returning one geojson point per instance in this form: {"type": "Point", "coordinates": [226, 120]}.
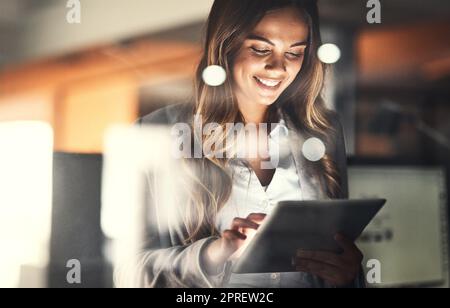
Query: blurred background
{"type": "Point", "coordinates": [391, 87]}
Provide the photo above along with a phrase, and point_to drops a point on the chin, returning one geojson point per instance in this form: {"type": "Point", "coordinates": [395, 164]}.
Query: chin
{"type": "Point", "coordinates": [267, 101]}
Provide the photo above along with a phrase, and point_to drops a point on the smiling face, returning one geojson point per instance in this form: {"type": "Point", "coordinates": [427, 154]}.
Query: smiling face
{"type": "Point", "coordinates": [270, 58]}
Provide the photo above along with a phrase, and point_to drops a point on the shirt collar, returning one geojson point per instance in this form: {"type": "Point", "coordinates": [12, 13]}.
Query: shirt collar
{"type": "Point", "coordinates": [280, 129]}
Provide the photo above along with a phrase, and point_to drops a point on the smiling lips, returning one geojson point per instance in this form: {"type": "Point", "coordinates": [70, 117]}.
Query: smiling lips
{"type": "Point", "coordinates": [271, 84]}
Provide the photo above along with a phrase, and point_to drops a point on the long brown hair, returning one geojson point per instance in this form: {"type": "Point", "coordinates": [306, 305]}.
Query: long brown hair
{"type": "Point", "coordinates": [228, 25]}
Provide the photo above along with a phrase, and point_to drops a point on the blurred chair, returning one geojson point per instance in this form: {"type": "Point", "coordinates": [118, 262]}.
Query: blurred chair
{"type": "Point", "coordinates": [76, 232]}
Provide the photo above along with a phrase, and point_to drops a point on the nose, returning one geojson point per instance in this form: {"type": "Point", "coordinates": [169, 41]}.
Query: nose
{"type": "Point", "coordinates": [276, 64]}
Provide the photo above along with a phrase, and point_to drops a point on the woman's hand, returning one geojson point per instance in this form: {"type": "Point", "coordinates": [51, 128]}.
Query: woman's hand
{"type": "Point", "coordinates": [220, 251]}
{"type": "Point", "coordinates": [337, 269]}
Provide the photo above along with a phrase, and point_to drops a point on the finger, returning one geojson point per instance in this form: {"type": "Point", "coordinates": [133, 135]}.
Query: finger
{"type": "Point", "coordinates": [319, 269]}
{"type": "Point", "coordinates": [243, 223]}
{"type": "Point", "coordinates": [327, 272]}
{"type": "Point", "coordinates": [349, 247]}
{"type": "Point", "coordinates": [256, 217]}
{"type": "Point", "coordinates": [330, 279]}
{"type": "Point", "coordinates": [321, 256]}
{"type": "Point", "coordinates": [233, 235]}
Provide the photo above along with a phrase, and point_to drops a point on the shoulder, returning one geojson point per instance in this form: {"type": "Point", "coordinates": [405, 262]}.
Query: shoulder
{"type": "Point", "coordinates": [168, 115]}
{"type": "Point", "coordinates": [336, 131]}
{"type": "Point", "coordinates": [335, 121]}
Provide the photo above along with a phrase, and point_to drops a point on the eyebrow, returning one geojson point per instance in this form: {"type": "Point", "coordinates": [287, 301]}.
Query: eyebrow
{"type": "Point", "coordinates": [261, 38]}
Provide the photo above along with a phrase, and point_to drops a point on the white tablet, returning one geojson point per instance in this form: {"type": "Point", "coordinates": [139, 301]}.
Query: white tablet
{"type": "Point", "coordinates": [309, 225]}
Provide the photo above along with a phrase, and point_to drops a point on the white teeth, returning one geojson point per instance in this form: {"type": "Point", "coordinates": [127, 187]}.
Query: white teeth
{"type": "Point", "coordinates": [269, 83]}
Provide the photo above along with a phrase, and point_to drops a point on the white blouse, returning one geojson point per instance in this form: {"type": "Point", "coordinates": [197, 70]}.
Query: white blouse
{"type": "Point", "coordinates": [249, 196]}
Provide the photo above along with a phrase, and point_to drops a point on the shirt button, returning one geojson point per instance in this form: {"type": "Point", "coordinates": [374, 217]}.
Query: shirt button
{"type": "Point", "coordinates": [264, 204]}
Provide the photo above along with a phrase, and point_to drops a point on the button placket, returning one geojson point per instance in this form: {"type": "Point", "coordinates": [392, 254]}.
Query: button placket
{"type": "Point", "coordinates": [264, 204]}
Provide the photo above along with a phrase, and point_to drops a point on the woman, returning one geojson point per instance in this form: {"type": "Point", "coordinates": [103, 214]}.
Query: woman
{"type": "Point", "coordinates": [268, 49]}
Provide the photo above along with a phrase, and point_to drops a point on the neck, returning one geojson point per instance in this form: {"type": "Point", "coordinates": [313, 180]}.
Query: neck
{"type": "Point", "coordinates": [254, 113]}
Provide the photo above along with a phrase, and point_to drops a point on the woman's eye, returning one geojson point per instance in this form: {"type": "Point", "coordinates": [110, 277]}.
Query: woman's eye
{"type": "Point", "coordinates": [295, 55]}
{"type": "Point", "coordinates": [260, 51]}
